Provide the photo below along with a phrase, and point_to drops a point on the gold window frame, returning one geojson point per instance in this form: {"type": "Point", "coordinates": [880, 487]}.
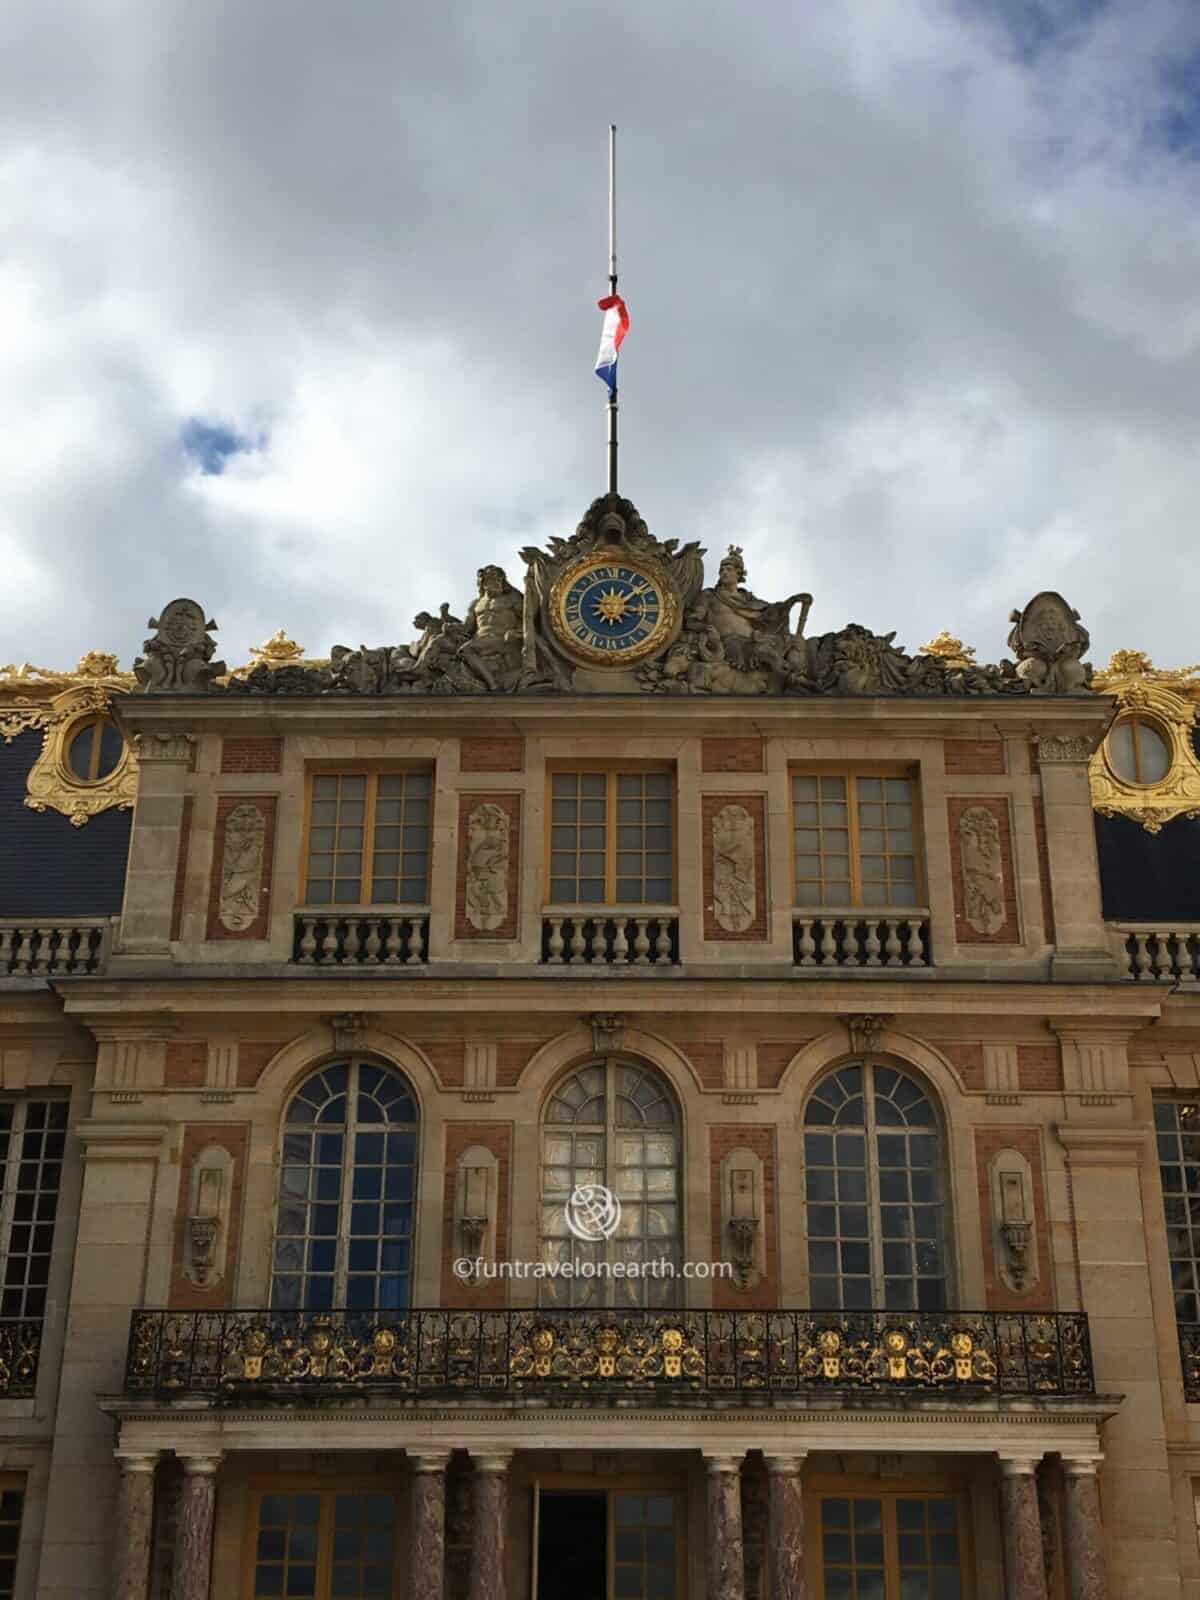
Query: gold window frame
{"type": "Point", "coordinates": [631, 768]}
{"type": "Point", "coordinates": [372, 771]}
{"type": "Point", "coordinates": [832, 1486]}
{"type": "Point", "coordinates": [326, 1488]}
{"type": "Point", "coordinates": [864, 769]}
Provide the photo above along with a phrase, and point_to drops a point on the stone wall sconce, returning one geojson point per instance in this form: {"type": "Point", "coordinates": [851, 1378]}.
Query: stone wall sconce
{"type": "Point", "coordinates": [1016, 1227]}
{"type": "Point", "coordinates": [743, 1222]}
{"type": "Point", "coordinates": [204, 1224]}
{"type": "Point", "coordinates": [473, 1215]}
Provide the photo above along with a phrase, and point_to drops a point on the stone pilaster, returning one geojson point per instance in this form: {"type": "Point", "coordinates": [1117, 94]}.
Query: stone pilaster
{"type": "Point", "coordinates": [134, 1524]}
{"type": "Point", "coordinates": [489, 1526]}
{"type": "Point", "coordinates": [194, 1538]}
{"type": "Point", "coordinates": [726, 1559]}
{"type": "Point", "coordinates": [1024, 1562]}
{"type": "Point", "coordinates": [154, 844]}
{"type": "Point", "coordinates": [1081, 937]}
{"type": "Point", "coordinates": [427, 1576]}
{"type": "Point", "coordinates": [785, 1528]}
{"type": "Point", "coordinates": [1084, 1534]}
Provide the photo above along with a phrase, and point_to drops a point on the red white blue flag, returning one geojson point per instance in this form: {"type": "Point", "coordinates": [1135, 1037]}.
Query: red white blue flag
{"type": "Point", "coordinates": [616, 326]}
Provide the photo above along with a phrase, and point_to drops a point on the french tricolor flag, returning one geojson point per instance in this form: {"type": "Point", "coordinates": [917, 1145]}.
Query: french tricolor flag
{"type": "Point", "coordinates": [616, 326]}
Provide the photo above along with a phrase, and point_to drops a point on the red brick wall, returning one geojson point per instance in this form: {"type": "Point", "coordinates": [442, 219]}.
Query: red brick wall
{"type": "Point", "coordinates": [448, 1059]}
{"type": "Point", "coordinates": [1043, 859]}
{"type": "Point", "coordinates": [460, 1136]}
{"type": "Point", "coordinates": [1039, 1296]}
{"type": "Point", "coordinates": [492, 755]}
{"type": "Point", "coordinates": [731, 755]}
{"type": "Point", "coordinates": [258, 928]}
{"type": "Point", "coordinates": [186, 1061]}
{"type": "Point", "coordinates": [1009, 933]}
{"type": "Point", "coordinates": [185, 836]}
{"type": "Point", "coordinates": [755, 804]}
{"type": "Point", "coordinates": [253, 1056]}
{"type": "Point", "coordinates": [773, 1058]}
{"type": "Point", "coordinates": [725, 1291]}
{"type": "Point", "coordinates": [197, 1136]}
{"type": "Point", "coordinates": [252, 755]}
{"type": "Point", "coordinates": [974, 757]}
{"type": "Point", "coordinates": [510, 804]}
{"type": "Point", "coordinates": [512, 1057]}
{"type": "Point", "coordinates": [1039, 1066]}
{"type": "Point", "coordinates": [966, 1056]}
{"type": "Point", "coordinates": [708, 1058]}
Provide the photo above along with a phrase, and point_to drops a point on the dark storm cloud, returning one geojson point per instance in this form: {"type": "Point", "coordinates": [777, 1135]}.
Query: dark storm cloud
{"type": "Point", "coordinates": [914, 291]}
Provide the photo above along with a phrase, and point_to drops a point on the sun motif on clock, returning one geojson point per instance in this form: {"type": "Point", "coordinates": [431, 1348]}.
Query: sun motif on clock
{"type": "Point", "coordinates": [605, 609]}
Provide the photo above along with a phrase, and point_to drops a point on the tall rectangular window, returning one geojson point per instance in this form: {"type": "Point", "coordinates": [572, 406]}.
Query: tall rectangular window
{"type": "Point", "coordinates": [854, 840]}
{"type": "Point", "coordinates": [611, 838]}
{"type": "Point", "coordinates": [1177, 1125]}
{"type": "Point", "coordinates": [318, 1543]}
{"type": "Point", "coordinates": [368, 839]}
{"type": "Point", "coordinates": [32, 1137]}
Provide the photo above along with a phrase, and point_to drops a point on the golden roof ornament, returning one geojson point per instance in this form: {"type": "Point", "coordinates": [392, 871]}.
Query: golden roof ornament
{"type": "Point", "coordinates": [280, 650]}
{"type": "Point", "coordinates": [950, 649]}
{"type": "Point", "coordinates": [1130, 664]}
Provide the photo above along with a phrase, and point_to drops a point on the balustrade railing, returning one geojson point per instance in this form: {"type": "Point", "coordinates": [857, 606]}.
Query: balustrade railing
{"type": "Point", "coordinates": [237, 1357]}
{"type": "Point", "coordinates": [604, 937]}
{"type": "Point", "coordinates": [837, 936]}
{"type": "Point", "coordinates": [50, 947]}
{"type": "Point", "coordinates": [361, 939]}
{"type": "Point", "coordinates": [20, 1350]}
{"type": "Point", "coordinates": [1159, 953]}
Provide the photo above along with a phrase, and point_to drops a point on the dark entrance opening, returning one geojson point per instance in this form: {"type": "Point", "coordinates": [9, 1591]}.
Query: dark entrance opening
{"type": "Point", "coordinates": [572, 1546]}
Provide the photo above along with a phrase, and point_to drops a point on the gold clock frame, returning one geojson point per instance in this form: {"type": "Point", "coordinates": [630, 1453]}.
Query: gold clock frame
{"type": "Point", "coordinates": [663, 633]}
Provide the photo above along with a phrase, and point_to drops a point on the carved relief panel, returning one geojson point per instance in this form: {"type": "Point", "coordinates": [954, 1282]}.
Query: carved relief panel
{"type": "Point", "coordinates": [240, 884]}
{"type": "Point", "coordinates": [981, 867]}
{"type": "Point", "coordinates": [489, 847]}
{"type": "Point", "coordinates": [735, 877]}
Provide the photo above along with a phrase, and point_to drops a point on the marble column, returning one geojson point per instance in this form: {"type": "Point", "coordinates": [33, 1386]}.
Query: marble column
{"type": "Point", "coordinates": [489, 1526]}
{"type": "Point", "coordinates": [1084, 1533]}
{"type": "Point", "coordinates": [726, 1559]}
{"type": "Point", "coordinates": [194, 1536]}
{"type": "Point", "coordinates": [427, 1576]}
{"type": "Point", "coordinates": [1024, 1561]}
{"type": "Point", "coordinates": [135, 1524]}
{"type": "Point", "coordinates": [785, 1528]}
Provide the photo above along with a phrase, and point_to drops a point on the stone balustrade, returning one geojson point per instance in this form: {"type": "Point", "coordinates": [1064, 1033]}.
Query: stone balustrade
{"type": "Point", "coordinates": [53, 947]}
{"type": "Point", "coordinates": [614, 937]}
{"type": "Point", "coordinates": [1159, 952]}
{"type": "Point", "coordinates": [362, 939]}
{"type": "Point", "coordinates": [847, 936]}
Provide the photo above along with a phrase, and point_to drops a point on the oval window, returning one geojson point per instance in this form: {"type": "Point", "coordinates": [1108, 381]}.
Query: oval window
{"type": "Point", "coordinates": [1138, 752]}
{"type": "Point", "coordinates": [94, 750]}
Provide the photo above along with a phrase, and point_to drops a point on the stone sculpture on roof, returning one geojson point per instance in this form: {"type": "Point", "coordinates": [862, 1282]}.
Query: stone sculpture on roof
{"type": "Point", "coordinates": [613, 609]}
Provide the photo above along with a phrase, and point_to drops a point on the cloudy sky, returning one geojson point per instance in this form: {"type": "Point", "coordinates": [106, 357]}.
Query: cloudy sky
{"type": "Point", "coordinates": [297, 306]}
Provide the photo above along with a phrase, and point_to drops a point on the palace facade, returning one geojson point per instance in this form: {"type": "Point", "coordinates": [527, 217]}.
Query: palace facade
{"type": "Point", "coordinates": [617, 1099]}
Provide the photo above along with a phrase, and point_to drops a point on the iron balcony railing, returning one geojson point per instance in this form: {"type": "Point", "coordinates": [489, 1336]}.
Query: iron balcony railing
{"type": "Point", "coordinates": [238, 1357]}
{"type": "Point", "coordinates": [1189, 1355]}
{"type": "Point", "coordinates": [20, 1349]}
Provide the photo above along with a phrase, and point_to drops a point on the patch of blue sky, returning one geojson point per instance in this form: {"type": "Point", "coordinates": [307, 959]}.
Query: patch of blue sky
{"type": "Point", "coordinates": [1034, 26]}
{"type": "Point", "coordinates": [211, 445]}
{"type": "Point", "coordinates": [1177, 126]}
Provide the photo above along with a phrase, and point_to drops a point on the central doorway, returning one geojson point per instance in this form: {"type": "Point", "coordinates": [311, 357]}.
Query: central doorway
{"type": "Point", "coordinates": [611, 1544]}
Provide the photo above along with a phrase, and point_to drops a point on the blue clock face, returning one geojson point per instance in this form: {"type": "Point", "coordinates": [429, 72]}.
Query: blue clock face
{"type": "Point", "coordinates": [609, 610]}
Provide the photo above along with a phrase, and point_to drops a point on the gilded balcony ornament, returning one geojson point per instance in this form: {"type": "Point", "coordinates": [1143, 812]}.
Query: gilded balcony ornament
{"type": "Point", "coordinates": [1165, 702]}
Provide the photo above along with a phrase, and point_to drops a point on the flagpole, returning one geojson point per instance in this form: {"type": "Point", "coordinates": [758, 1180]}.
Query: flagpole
{"type": "Point", "coordinates": [612, 289]}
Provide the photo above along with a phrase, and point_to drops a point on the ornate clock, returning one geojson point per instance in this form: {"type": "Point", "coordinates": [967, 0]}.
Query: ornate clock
{"type": "Point", "coordinates": [607, 607]}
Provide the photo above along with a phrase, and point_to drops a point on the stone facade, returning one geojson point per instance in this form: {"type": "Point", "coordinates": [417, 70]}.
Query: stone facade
{"type": "Point", "coordinates": [179, 1054]}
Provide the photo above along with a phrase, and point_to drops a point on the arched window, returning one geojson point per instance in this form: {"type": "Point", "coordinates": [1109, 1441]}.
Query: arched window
{"type": "Point", "coordinates": [876, 1194]}
{"type": "Point", "coordinates": [615, 1124]}
{"type": "Point", "coordinates": [344, 1231]}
